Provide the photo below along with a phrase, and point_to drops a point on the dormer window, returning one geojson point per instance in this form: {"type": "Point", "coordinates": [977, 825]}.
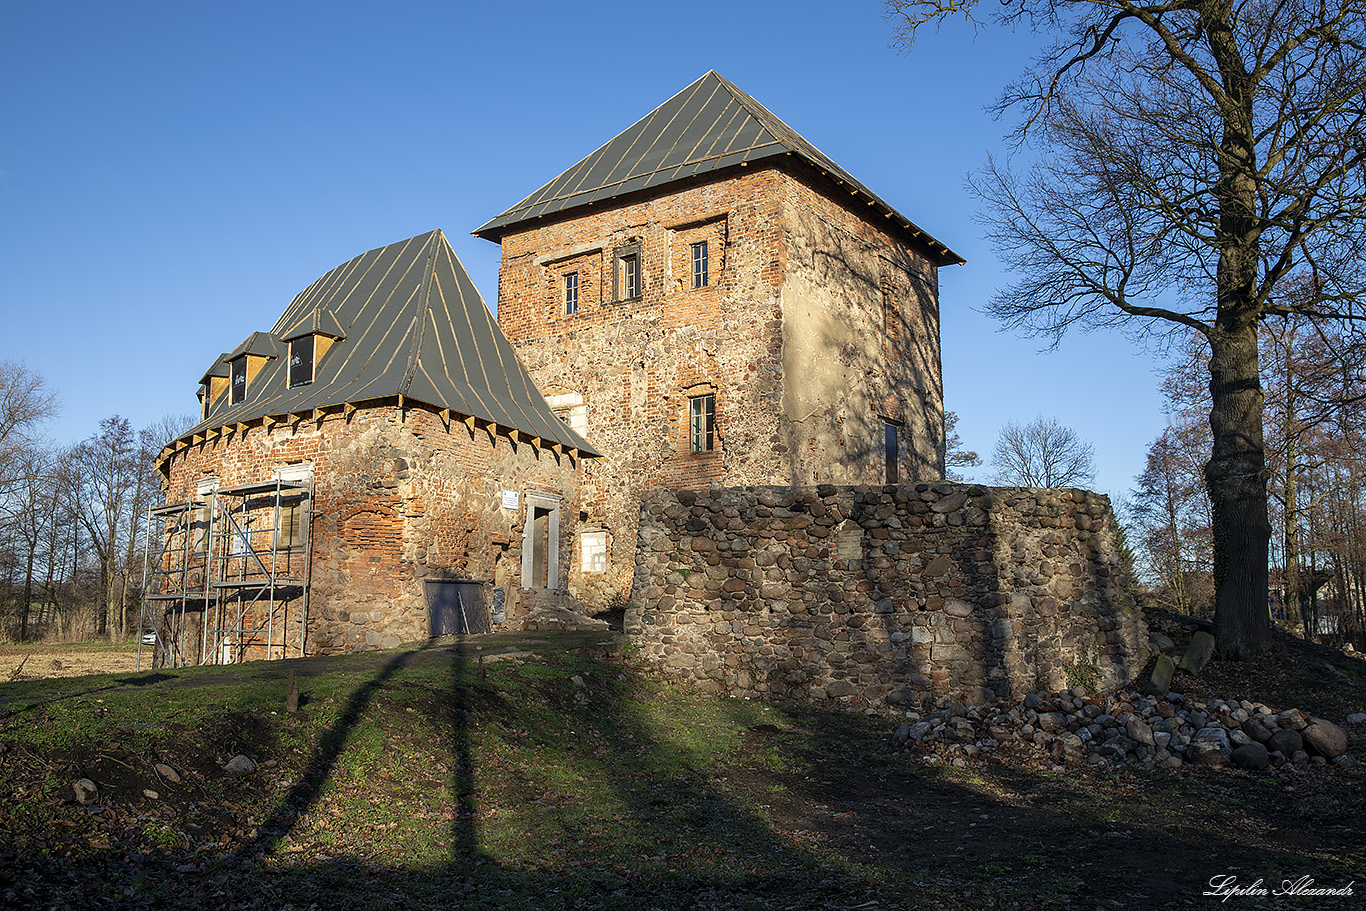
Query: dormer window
{"type": "Point", "coordinates": [238, 380]}
{"type": "Point", "coordinates": [309, 340]}
{"type": "Point", "coordinates": [301, 361]}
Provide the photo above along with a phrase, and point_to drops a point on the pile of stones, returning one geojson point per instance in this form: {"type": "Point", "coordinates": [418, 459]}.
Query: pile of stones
{"type": "Point", "coordinates": [1129, 730]}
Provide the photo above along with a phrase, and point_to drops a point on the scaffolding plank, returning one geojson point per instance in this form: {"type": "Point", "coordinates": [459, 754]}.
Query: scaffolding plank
{"type": "Point", "coordinates": [290, 488]}
{"type": "Point", "coordinates": [277, 582]}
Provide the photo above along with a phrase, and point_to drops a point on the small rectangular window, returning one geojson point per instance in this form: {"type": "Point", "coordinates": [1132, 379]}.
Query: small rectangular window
{"type": "Point", "coordinates": [301, 361]}
{"type": "Point", "coordinates": [699, 265]}
{"type": "Point", "coordinates": [627, 273]}
{"type": "Point", "coordinates": [890, 451]}
{"type": "Point", "coordinates": [571, 294]}
{"type": "Point", "coordinates": [701, 422]}
{"type": "Point", "coordinates": [239, 381]}
{"type": "Point", "coordinates": [630, 276]}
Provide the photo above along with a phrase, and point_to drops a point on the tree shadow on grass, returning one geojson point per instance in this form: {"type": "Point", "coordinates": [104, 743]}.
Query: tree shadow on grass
{"type": "Point", "coordinates": [809, 819]}
{"type": "Point", "coordinates": [639, 796]}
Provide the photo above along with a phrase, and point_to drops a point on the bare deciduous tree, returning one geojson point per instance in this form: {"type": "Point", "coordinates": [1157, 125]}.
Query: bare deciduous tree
{"type": "Point", "coordinates": [109, 465]}
{"type": "Point", "coordinates": [1172, 517]}
{"type": "Point", "coordinates": [1042, 453]}
{"type": "Point", "coordinates": [1195, 155]}
{"type": "Point", "coordinates": [955, 456]}
{"type": "Point", "coordinates": [25, 403]}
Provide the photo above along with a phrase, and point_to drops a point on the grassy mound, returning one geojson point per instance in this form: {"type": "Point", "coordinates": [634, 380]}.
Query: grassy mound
{"type": "Point", "coordinates": [543, 772]}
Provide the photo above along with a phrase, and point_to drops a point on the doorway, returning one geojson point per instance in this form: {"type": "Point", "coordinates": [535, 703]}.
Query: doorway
{"type": "Point", "coordinates": [541, 542]}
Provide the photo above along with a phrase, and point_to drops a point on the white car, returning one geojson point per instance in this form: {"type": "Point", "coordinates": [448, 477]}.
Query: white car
{"type": "Point", "coordinates": [149, 638]}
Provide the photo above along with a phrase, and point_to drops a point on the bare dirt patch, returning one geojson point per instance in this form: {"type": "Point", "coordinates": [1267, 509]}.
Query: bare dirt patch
{"type": "Point", "coordinates": [40, 662]}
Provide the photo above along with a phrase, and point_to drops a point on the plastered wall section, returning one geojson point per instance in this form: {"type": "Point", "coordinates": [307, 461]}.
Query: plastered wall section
{"type": "Point", "coordinates": [860, 342]}
{"type": "Point", "coordinates": [636, 363]}
{"type": "Point", "coordinates": [400, 497]}
{"type": "Point", "coordinates": [909, 595]}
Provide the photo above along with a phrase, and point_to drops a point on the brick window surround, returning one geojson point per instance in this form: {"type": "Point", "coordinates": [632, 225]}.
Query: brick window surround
{"type": "Point", "coordinates": [701, 422]}
{"type": "Point", "coordinates": [628, 273]}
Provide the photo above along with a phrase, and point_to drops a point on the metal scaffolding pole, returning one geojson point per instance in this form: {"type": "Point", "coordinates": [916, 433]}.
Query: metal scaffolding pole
{"type": "Point", "coordinates": [237, 558]}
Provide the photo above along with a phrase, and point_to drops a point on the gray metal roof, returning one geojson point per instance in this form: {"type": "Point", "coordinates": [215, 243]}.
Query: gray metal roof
{"type": "Point", "coordinates": [413, 325]}
{"type": "Point", "coordinates": [708, 126]}
{"type": "Point", "coordinates": [219, 368]}
{"type": "Point", "coordinates": [258, 343]}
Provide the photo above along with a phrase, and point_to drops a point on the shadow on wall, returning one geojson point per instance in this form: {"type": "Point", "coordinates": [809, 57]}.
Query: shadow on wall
{"type": "Point", "coordinates": [860, 347]}
{"type": "Point", "coordinates": [902, 594]}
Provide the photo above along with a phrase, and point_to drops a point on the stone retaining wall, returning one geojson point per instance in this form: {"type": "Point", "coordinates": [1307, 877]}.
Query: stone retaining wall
{"type": "Point", "coordinates": [906, 595]}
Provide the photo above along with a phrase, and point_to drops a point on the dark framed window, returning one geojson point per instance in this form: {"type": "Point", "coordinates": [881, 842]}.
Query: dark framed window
{"type": "Point", "coordinates": [699, 265]}
{"type": "Point", "coordinates": [238, 379]}
{"type": "Point", "coordinates": [301, 361]}
{"type": "Point", "coordinates": [626, 273]}
{"type": "Point", "coordinates": [702, 422]}
{"type": "Point", "coordinates": [889, 448]}
{"type": "Point", "coordinates": [571, 294]}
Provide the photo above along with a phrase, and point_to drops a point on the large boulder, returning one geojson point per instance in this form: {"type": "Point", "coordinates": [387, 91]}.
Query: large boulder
{"type": "Point", "coordinates": [1250, 756]}
{"type": "Point", "coordinates": [1052, 722]}
{"type": "Point", "coordinates": [1137, 730]}
{"type": "Point", "coordinates": [1207, 753]}
{"type": "Point", "coordinates": [239, 766]}
{"type": "Point", "coordinates": [1285, 741]}
{"type": "Point", "coordinates": [1198, 653]}
{"type": "Point", "coordinates": [1324, 738]}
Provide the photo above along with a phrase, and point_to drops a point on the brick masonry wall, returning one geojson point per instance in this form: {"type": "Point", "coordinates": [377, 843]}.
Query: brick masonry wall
{"type": "Point", "coordinates": [636, 363]}
{"type": "Point", "coordinates": [906, 594]}
{"type": "Point", "coordinates": [781, 416]}
{"type": "Point", "coordinates": [400, 497]}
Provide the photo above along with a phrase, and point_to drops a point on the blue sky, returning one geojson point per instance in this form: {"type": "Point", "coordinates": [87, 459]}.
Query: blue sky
{"type": "Point", "coordinates": [172, 174]}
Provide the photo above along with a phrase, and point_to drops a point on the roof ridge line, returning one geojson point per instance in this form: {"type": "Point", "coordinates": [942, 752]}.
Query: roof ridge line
{"type": "Point", "coordinates": [423, 308]}
{"type": "Point", "coordinates": [585, 158]}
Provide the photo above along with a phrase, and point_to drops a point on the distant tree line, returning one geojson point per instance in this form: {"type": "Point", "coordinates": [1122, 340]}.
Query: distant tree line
{"type": "Point", "coordinates": [71, 517]}
{"type": "Point", "coordinates": [1312, 378]}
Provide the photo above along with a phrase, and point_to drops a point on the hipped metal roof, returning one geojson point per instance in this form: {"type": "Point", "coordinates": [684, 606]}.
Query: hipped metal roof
{"type": "Point", "coordinates": [709, 126]}
{"type": "Point", "coordinates": [413, 325]}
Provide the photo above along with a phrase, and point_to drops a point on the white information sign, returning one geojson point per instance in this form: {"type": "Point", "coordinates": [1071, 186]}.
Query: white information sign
{"type": "Point", "coordinates": [509, 499]}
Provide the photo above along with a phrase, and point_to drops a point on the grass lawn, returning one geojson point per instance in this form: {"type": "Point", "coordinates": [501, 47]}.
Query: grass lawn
{"type": "Point", "coordinates": [550, 774]}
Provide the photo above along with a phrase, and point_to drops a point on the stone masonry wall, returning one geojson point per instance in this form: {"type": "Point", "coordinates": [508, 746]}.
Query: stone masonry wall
{"type": "Point", "coordinates": [901, 594]}
{"type": "Point", "coordinates": [400, 496]}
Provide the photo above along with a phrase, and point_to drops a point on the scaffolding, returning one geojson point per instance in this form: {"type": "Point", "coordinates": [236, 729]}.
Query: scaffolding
{"type": "Point", "coordinates": [226, 576]}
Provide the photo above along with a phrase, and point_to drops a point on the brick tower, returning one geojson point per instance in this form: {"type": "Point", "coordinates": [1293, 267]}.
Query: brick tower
{"type": "Point", "coordinates": [711, 301]}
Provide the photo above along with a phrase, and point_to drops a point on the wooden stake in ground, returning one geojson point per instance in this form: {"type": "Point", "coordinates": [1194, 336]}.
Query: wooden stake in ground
{"type": "Point", "coordinates": [292, 695]}
{"type": "Point", "coordinates": [14, 674]}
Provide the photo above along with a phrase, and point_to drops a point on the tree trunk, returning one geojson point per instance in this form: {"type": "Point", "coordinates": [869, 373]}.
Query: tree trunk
{"type": "Point", "coordinates": [1236, 478]}
{"type": "Point", "coordinates": [28, 594]}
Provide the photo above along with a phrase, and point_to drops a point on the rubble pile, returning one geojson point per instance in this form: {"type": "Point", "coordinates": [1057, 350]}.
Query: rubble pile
{"type": "Point", "coordinates": [1128, 730]}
